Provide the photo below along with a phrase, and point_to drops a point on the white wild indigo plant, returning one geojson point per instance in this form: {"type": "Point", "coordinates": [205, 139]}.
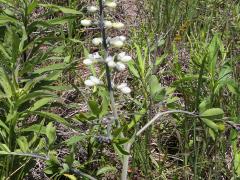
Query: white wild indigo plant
{"type": "Point", "coordinates": [113, 60]}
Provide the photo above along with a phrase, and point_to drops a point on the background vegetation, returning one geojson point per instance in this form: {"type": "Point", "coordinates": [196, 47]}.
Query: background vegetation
{"type": "Point", "coordinates": [180, 121]}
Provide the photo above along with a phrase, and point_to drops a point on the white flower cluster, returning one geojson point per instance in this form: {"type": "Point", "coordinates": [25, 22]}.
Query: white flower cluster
{"type": "Point", "coordinates": [116, 62]}
{"type": "Point", "coordinates": [107, 24]}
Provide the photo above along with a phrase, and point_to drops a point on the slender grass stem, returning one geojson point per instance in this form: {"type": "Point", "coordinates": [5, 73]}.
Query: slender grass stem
{"type": "Point", "coordinates": [155, 118]}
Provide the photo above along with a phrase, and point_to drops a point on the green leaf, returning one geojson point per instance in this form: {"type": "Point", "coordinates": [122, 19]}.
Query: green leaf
{"type": "Point", "coordinates": [6, 19]}
{"type": "Point", "coordinates": [4, 147]}
{"type": "Point", "coordinates": [137, 118]}
{"type": "Point", "coordinates": [212, 55]}
{"type": "Point", "coordinates": [75, 139]}
{"type": "Point", "coordinates": [154, 85]}
{"type": "Point", "coordinates": [156, 91]}
{"type": "Point", "coordinates": [141, 59]}
{"type": "Point", "coordinates": [5, 83]}
{"type": "Point", "coordinates": [159, 60]}
{"type": "Point", "coordinates": [120, 140]}
{"type": "Point", "coordinates": [63, 9]}
{"type": "Point", "coordinates": [37, 128]}
{"type": "Point", "coordinates": [212, 113]}
{"type": "Point", "coordinates": [51, 133]}
{"type": "Point", "coordinates": [71, 177]}
{"type": "Point", "coordinates": [52, 67]}
{"type": "Point", "coordinates": [32, 6]}
{"type": "Point", "coordinates": [210, 124]}
{"type": "Point", "coordinates": [53, 116]}
{"type": "Point", "coordinates": [121, 150]}
{"type": "Point", "coordinates": [106, 169]}
{"type": "Point", "coordinates": [133, 70]}
{"type": "Point", "coordinates": [23, 144]}
{"type": "Point", "coordinates": [2, 124]}
{"type": "Point", "coordinates": [94, 107]}
{"type": "Point", "coordinates": [212, 134]}
{"type": "Point", "coordinates": [40, 103]}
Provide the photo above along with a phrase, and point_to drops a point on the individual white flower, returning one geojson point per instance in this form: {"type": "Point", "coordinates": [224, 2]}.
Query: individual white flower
{"type": "Point", "coordinates": [97, 41]}
{"type": "Point", "coordinates": [95, 80]}
{"type": "Point", "coordinates": [107, 24]}
{"type": "Point", "coordinates": [108, 40]}
{"type": "Point", "coordinates": [112, 64]}
{"type": "Point", "coordinates": [122, 86]}
{"type": "Point", "coordinates": [116, 43]}
{"type": "Point", "coordinates": [88, 62]}
{"type": "Point", "coordinates": [121, 55]}
{"type": "Point", "coordinates": [126, 90]}
{"type": "Point", "coordinates": [120, 66]}
{"type": "Point", "coordinates": [111, 4]}
{"type": "Point", "coordinates": [113, 85]}
{"type": "Point", "coordinates": [117, 25]}
{"type": "Point", "coordinates": [92, 9]}
{"type": "Point", "coordinates": [95, 56]}
{"type": "Point", "coordinates": [108, 59]}
{"type": "Point", "coordinates": [122, 38]}
{"type": "Point", "coordinates": [126, 59]}
{"type": "Point", "coordinates": [89, 83]}
{"type": "Point", "coordinates": [86, 22]}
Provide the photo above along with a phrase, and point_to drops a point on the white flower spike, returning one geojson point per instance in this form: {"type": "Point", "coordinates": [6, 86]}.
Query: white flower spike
{"type": "Point", "coordinates": [86, 22]}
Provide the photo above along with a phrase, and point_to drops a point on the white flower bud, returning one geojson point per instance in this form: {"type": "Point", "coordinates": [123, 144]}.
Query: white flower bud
{"type": "Point", "coordinates": [92, 9]}
{"type": "Point", "coordinates": [120, 66]}
{"type": "Point", "coordinates": [88, 62]}
{"type": "Point", "coordinates": [126, 59]}
{"type": "Point", "coordinates": [126, 90]}
{"type": "Point", "coordinates": [97, 41]}
{"type": "Point", "coordinates": [118, 25]}
{"type": "Point", "coordinates": [111, 4]}
{"type": "Point", "coordinates": [116, 43]}
{"type": "Point", "coordinates": [108, 24]}
{"type": "Point", "coordinates": [112, 64]}
{"type": "Point", "coordinates": [89, 83]}
{"type": "Point", "coordinates": [122, 86]}
{"type": "Point", "coordinates": [95, 80]}
{"type": "Point", "coordinates": [86, 22]}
